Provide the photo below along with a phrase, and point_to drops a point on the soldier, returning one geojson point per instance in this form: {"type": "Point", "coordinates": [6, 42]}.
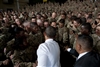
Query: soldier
{"type": "Point", "coordinates": [53, 16]}
{"type": "Point", "coordinates": [33, 19]}
{"type": "Point", "coordinates": [1, 19]}
{"type": "Point", "coordinates": [19, 22]}
{"type": "Point", "coordinates": [71, 21]}
{"type": "Point", "coordinates": [18, 50]}
{"type": "Point", "coordinates": [9, 48]}
{"type": "Point", "coordinates": [23, 53]}
{"type": "Point", "coordinates": [62, 32]}
{"type": "Point", "coordinates": [46, 24]}
{"type": "Point", "coordinates": [96, 39]}
{"type": "Point", "coordinates": [54, 24]}
{"type": "Point", "coordinates": [84, 29]}
{"type": "Point", "coordinates": [40, 24]}
{"type": "Point", "coordinates": [64, 16]}
{"type": "Point", "coordinates": [26, 27]}
{"type": "Point", "coordinates": [35, 36]}
{"type": "Point", "coordinates": [4, 61]}
{"type": "Point", "coordinates": [76, 25]}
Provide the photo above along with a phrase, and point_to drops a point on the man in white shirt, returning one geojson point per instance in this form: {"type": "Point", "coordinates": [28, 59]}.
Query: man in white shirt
{"type": "Point", "coordinates": [49, 52]}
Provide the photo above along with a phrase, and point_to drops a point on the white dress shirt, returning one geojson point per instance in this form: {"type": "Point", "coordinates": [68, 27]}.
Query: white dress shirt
{"type": "Point", "coordinates": [48, 54]}
{"type": "Point", "coordinates": [80, 55]}
{"type": "Point", "coordinates": [69, 49]}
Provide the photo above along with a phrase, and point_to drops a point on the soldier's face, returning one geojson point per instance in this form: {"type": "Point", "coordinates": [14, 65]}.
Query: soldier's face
{"type": "Point", "coordinates": [98, 30]}
{"type": "Point", "coordinates": [17, 21]}
{"type": "Point", "coordinates": [33, 20]}
{"type": "Point", "coordinates": [54, 15]}
{"type": "Point", "coordinates": [54, 24]}
{"type": "Point", "coordinates": [63, 16]}
{"type": "Point", "coordinates": [38, 16]}
{"type": "Point", "coordinates": [79, 15]}
{"type": "Point", "coordinates": [83, 30]}
{"type": "Point", "coordinates": [35, 29]}
{"type": "Point", "coordinates": [46, 24]}
{"type": "Point", "coordinates": [75, 23]}
{"type": "Point", "coordinates": [21, 33]}
{"type": "Point", "coordinates": [61, 25]}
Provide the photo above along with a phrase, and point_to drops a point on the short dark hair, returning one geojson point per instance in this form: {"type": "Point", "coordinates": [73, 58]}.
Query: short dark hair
{"type": "Point", "coordinates": [87, 26]}
{"type": "Point", "coordinates": [78, 20]}
{"type": "Point", "coordinates": [73, 17]}
{"type": "Point", "coordinates": [63, 13]}
{"type": "Point", "coordinates": [85, 41]}
{"type": "Point", "coordinates": [50, 32]}
{"type": "Point", "coordinates": [33, 24]}
{"type": "Point", "coordinates": [62, 21]}
{"type": "Point", "coordinates": [17, 30]}
{"type": "Point", "coordinates": [46, 20]}
{"type": "Point", "coordinates": [83, 19]}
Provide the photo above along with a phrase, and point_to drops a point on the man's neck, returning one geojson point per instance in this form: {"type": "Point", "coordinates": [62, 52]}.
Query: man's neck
{"type": "Point", "coordinates": [83, 51]}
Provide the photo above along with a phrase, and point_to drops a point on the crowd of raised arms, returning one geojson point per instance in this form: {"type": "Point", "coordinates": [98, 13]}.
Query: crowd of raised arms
{"type": "Point", "coordinates": [22, 31]}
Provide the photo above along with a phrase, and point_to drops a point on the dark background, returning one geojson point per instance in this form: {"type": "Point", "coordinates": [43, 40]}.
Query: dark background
{"type": "Point", "coordinates": [33, 2]}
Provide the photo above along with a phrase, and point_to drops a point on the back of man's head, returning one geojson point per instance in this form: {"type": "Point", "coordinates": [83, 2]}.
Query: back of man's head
{"type": "Point", "coordinates": [85, 41]}
{"type": "Point", "coordinates": [50, 32]}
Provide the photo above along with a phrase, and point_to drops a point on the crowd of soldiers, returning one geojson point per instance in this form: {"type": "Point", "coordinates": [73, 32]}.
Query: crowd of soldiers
{"type": "Point", "coordinates": [21, 31]}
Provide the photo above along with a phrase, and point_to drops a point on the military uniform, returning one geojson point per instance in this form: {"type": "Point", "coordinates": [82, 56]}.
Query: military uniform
{"type": "Point", "coordinates": [71, 38]}
{"type": "Point", "coordinates": [32, 39]}
{"type": "Point", "coordinates": [2, 46]}
{"type": "Point", "coordinates": [76, 30]}
{"type": "Point", "coordinates": [3, 57]}
{"type": "Point", "coordinates": [63, 34]}
{"type": "Point", "coordinates": [73, 32]}
{"type": "Point", "coordinates": [5, 31]}
{"type": "Point", "coordinates": [35, 39]}
{"type": "Point", "coordinates": [96, 42]}
{"type": "Point", "coordinates": [24, 58]}
{"type": "Point", "coordinates": [9, 47]}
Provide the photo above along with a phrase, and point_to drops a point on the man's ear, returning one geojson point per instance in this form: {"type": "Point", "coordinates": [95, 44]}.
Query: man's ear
{"type": "Point", "coordinates": [46, 37]}
{"type": "Point", "coordinates": [79, 47]}
{"type": "Point", "coordinates": [44, 33]}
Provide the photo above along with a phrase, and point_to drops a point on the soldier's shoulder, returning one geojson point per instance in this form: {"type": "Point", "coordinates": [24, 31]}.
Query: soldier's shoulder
{"type": "Point", "coordinates": [94, 35]}
{"type": "Point", "coordinates": [11, 42]}
{"type": "Point", "coordinates": [2, 36]}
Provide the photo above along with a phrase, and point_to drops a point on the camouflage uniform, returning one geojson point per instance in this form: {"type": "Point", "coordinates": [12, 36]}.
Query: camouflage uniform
{"type": "Point", "coordinates": [2, 44]}
{"type": "Point", "coordinates": [52, 19]}
{"type": "Point", "coordinates": [32, 39]}
{"type": "Point", "coordinates": [24, 58]}
{"type": "Point", "coordinates": [63, 34]}
{"type": "Point", "coordinates": [9, 47]}
{"type": "Point", "coordinates": [96, 42]}
{"type": "Point", "coordinates": [76, 30]}
{"type": "Point", "coordinates": [69, 25]}
{"type": "Point", "coordinates": [66, 21]}
{"type": "Point", "coordinates": [71, 39]}
{"type": "Point", "coordinates": [35, 39]}
{"type": "Point", "coordinates": [73, 33]}
{"type": "Point", "coordinates": [5, 31]}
